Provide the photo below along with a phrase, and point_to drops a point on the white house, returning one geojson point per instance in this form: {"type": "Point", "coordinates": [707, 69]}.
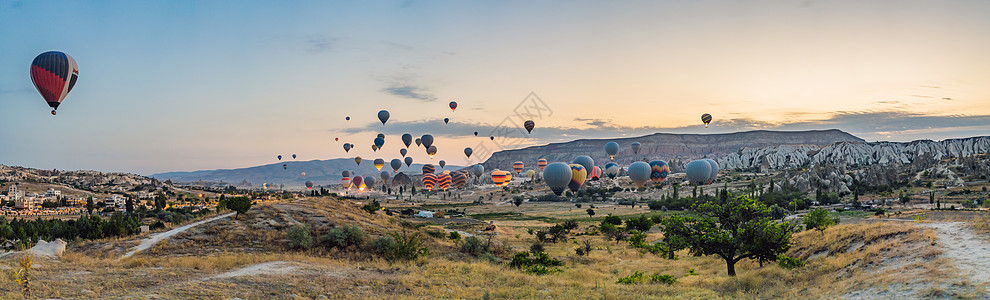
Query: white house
{"type": "Point", "coordinates": [117, 200]}
{"type": "Point", "coordinates": [52, 193]}
{"type": "Point", "coordinates": [14, 193]}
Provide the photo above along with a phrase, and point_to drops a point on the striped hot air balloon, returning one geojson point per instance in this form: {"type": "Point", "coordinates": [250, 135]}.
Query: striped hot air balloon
{"type": "Point", "coordinates": [345, 182]}
{"type": "Point", "coordinates": [706, 118]}
{"type": "Point", "coordinates": [459, 179]}
{"type": "Point", "coordinates": [542, 163]}
{"type": "Point", "coordinates": [54, 73]}
{"type": "Point", "coordinates": [453, 105]}
{"type": "Point", "coordinates": [379, 163]}
{"type": "Point", "coordinates": [498, 177]}
{"type": "Point", "coordinates": [443, 180]}
{"type": "Point", "coordinates": [517, 166]}
{"type": "Point", "coordinates": [578, 175]}
{"type": "Point", "coordinates": [596, 173]}
{"type": "Point", "coordinates": [309, 185]}
{"type": "Point", "coordinates": [508, 178]}
{"type": "Point", "coordinates": [659, 171]}
{"type": "Point", "coordinates": [429, 181]}
{"type": "Point", "coordinates": [428, 169]}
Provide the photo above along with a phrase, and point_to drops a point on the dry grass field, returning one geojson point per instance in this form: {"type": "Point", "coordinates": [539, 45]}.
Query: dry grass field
{"type": "Point", "coordinates": [248, 258]}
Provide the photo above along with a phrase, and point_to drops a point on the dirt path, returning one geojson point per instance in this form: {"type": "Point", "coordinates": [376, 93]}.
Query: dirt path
{"type": "Point", "coordinates": [157, 237]}
{"type": "Point", "coordinates": [969, 251]}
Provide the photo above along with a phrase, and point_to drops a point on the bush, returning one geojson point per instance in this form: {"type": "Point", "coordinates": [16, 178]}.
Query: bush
{"type": "Point", "coordinates": [540, 264]}
{"type": "Point", "coordinates": [614, 220]}
{"type": "Point", "coordinates": [372, 207]}
{"type": "Point", "coordinates": [637, 239]}
{"type": "Point", "coordinates": [436, 233]}
{"type": "Point", "coordinates": [299, 237]}
{"type": "Point", "coordinates": [454, 236]}
{"type": "Point", "coordinates": [641, 223]}
{"type": "Point", "coordinates": [537, 247]}
{"type": "Point", "coordinates": [789, 262]}
{"type": "Point", "coordinates": [344, 237]}
{"type": "Point", "coordinates": [382, 246]}
{"type": "Point", "coordinates": [408, 246]}
{"type": "Point", "coordinates": [569, 225]}
{"type": "Point", "coordinates": [818, 219]}
{"type": "Point", "coordinates": [472, 245]}
{"type": "Point", "coordinates": [636, 277]}
{"type": "Point", "coordinates": [777, 212]}
{"type": "Point", "coordinates": [663, 278]}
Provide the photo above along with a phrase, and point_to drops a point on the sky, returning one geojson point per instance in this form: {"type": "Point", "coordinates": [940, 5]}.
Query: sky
{"type": "Point", "coordinates": [194, 85]}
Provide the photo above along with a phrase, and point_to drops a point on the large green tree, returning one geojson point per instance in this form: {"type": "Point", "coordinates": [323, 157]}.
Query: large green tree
{"type": "Point", "coordinates": [731, 228]}
{"type": "Point", "coordinates": [239, 204]}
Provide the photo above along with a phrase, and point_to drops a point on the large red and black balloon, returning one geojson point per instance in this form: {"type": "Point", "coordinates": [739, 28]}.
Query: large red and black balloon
{"type": "Point", "coordinates": [54, 73]}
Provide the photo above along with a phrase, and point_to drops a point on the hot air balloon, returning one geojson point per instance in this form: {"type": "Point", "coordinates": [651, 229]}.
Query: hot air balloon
{"type": "Point", "coordinates": [530, 173]}
{"type": "Point", "coordinates": [611, 148]}
{"type": "Point", "coordinates": [498, 177]}
{"type": "Point", "coordinates": [698, 171]}
{"type": "Point", "coordinates": [492, 137]}
{"type": "Point", "coordinates": [446, 120]}
{"type": "Point", "coordinates": [542, 163]}
{"type": "Point", "coordinates": [379, 142]}
{"type": "Point", "coordinates": [517, 166]}
{"type": "Point", "coordinates": [309, 185]}
{"type": "Point", "coordinates": [639, 173]}
{"type": "Point", "coordinates": [381, 135]}
{"type": "Point", "coordinates": [428, 169]}
{"type": "Point", "coordinates": [475, 133]}
{"type": "Point", "coordinates": [714, 173]}
{"type": "Point", "coordinates": [303, 174]}
{"type": "Point", "coordinates": [427, 140]}
{"type": "Point", "coordinates": [384, 175]}
{"type": "Point", "coordinates": [478, 170]}
{"type": "Point", "coordinates": [347, 147]}
{"type": "Point", "coordinates": [578, 175]}
{"type": "Point", "coordinates": [54, 73]}
{"type": "Point", "coordinates": [529, 125]}
{"type": "Point", "coordinates": [443, 164]}
{"type": "Point", "coordinates": [279, 157]}
{"type": "Point", "coordinates": [383, 116]}
{"type": "Point", "coordinates": [345, 182]}
{"type": "Point", "coordinates": [407, 139]}
{"type": "Point", "coordinates": [395, 164]}
{"type": "Point", "coordinates": [358, 182]}
{"type": "Point", "coordinates": [458, 179]}
{"type": "Point", "coordinates": [508, 177]}
{"type": "Point", "coordinates": [285, 166]}
{"type": "Point", "coordinates": [419, 142]}
{"type": "Point", "coordinates": [431, 151]}
{"type": "Point", "coordinates": [293, 156]}
{"type": "Point", "coordinates": [443, 180]}
{"type": "Point", "coordinates": [336, 139]}
{"type": "Point", "coordinates": [379, 163]}
{"type": "Point", "coordinates": [374, 148]}
{"type": "Point", "coordinates": [453, 105]}
{"type": "Point", "coordinates": [635, 147]}
{"type": "Point", "coordinates": [408, 161]}
{"type": "Point", "coordinates": [557, 175]}
{"type": "Point", "coordinates": [357, 160]}
{"type": "Point", "coordinates": [659, 171]}
{"type": "Point", "coordinates": [596, 173]}
{"type": "Point", "coordinates": [429, 181]}
{"type": "Point", "coordinates": [345, 173]}
{"type": "Point", "coordinates": [706, 118]}
{"type": "Point", "coordinates": [584, 161]}
{"type": "Point", "coordinates": [369, 181]}
{"type": "Point", "coordinates": [347, 119]}
{"type": "Point", "coordinates": [612, 170]}
{"type": "Point", "coordinates": [468, 151]}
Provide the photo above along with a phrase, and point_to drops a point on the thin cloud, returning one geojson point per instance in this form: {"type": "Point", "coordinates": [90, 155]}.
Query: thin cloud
{"type": "Point", "coordinates": [318, 44]}
{"type": "Point", "coordinates": [14, 91]}
{"type": "Point", "coordinates": [410, 91]}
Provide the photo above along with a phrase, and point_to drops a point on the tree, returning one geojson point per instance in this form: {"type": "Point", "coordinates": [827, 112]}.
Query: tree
{"type": "Point", "coordinates": [641, 223]}
{"type": "Point", "coordinates": [129, 205]}
{"type": "Point", "coordinates": [818, 219]}
{"type": "Point", "coordinates": [517, 200]}
{"type": "Point", "coordinates": [905, 198]}
{"type": "Point", "coordinates": [676, 193]}
{"type": "Point", "coordinates": [89, 205]}
{"type": "Point", "coordinates": [591, 213]}
{"type": "Point", "coordinates": [239, 204]}
{"type": "Point", "coordinates": [733, 229]}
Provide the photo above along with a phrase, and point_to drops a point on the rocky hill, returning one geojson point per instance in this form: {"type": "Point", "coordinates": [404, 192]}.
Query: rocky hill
{"type": "Point", "coordinates": [86, 180]}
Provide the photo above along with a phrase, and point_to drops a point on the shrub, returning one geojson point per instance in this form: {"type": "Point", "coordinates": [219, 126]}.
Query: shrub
{"type": "Point", "coordinates": [614, 220]}
{"type": "Point", "coordinates": [299, 237]}
{"type": "Point", "coordinates": [777, 212]}
{"type": "Point", "coordinates": [540, 264]}
{"type": "Point", "coordinates": [537, 247]}
{"type": "Point", "coordinates": [436, 233]}
{"type": "Point", "coordinates": [585, 249]}
{"type": "Point", "coordinates": [641, 223]}
{"type": "Point", "coordinates": [637, 239]}
{"type": "Point", "coordinates": [343, 237]}
{"type": "Point", "coordinates": [472, 245]}
{"type": "Point", "coordinates": [663, 278]}
{"type": "Point", "coordinates": [636, 277]}
{"type": "Point", "coordinates": [408, 246]}
{"type": "Point", "coordinates": [569, 225]}
{"type": "Point", "coordinates": [818, 219]}
{"type": "Point", "coordinates": [382, 246]}
{"type": "Point", "coordinates": [454, 236]}
{"type": "Point", "coordinates": [789, 262]}
{"type": "Point", "coordinates": [372, 207]}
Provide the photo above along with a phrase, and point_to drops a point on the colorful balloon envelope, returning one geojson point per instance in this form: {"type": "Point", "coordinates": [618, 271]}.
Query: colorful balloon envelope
{"type": "Point", "coordinates": [54, 73]}
{"type": "Point", "coordinates": [419, 142]}
{"type": "Point", "coordinates": [303, 174]}
{"type": "Point", "coordinates": [347, 147]}
{"type": "Point", "coordinates": [444, 181]}
{"type": "Point", "coordinates": [508, 178]}
{"type": "Point", "coordinates": [403, 151]}
{"type": "Point", "coordinates": [374, 148]}
{"type": "Point", "coordinates": [429, 181]}
{"type": "Point", "coordinates": [639, 173]}
{"type": "Point", "coordinates": [529, 125]}
{"type": "Point", "coordinates": [542, 163]}
{"type": "Point", "coordinates": [714, 173]}
{"type": "Point", "coordinates": [408, 161]}
{"type": "Point", "coordinates": [596, 173]}
{"type": "Point", "coordinates": [345, 182]}
{"type": "Point", "coordinates": [530, 174]}
{"type": "Point", "coordinates": [443, 163]}
{"type": "Point", "coordinates": [379, 142]}
{"type": "Point", "coordinates": [369, 181]}
{"type": "Point", "coordinates": [475, 133]}
{"type": "Point", "coordinates": [309, 185]}
{"type": "Point", "coordinates": [285, 166]}
{"type": "Point", "coordinates": [357, 160]}
{"type": "Point", "coordinates": [345, 173]}
{"type": "Point", "coordinates": [453, 105]}
{"type": "Point", "coordinates": [383, 116]}
{"type": "Point", "coordinates": [431, 151]}
{"type": "Point", "coordinates": [428, 169]}
{"type": "Point", "coordinates": [557, 175]}
{"type": "Point", "coordinates": [379, 163]}
{"type": "Point", "coordinates": [293, 156]}
{"type": "Point", "coordinates": [347, 119]}
{"type": "Point", "coordinates": [358, 182]}
{"type": "Point", "coordinates": [635, 147]}
{"type": "Point", "coordinates": [612, 170]}
{"type": "Point", "coordinates": [458, 179]}
{"type": "Point", "coordinates": [578, 175]}
{"type": "Point", "coordinates": [706, 118]}
{"type": "Point", "coordinates": [384, 175]}
{"type": "Point", "coordinates": [659, 171]}
{"type": "Point", "coordinates": [395, 164]}
{"type": "Point", "coordinates": [498, 177]}
{"type": "Point", "coordinates": [517, 166]}
{"type": "Point", "coordinates": [427, 140]}
{"type": "Point", "coordinates": [478, 170]}
{"type": "Point", "coordinates": [611, 148]}
{"type": "Point", "coordinates": [698, 171]}
{"type": "Point", "coordinates": [279, 157]}
{"type": "Point", "coordinates": [584, 161]}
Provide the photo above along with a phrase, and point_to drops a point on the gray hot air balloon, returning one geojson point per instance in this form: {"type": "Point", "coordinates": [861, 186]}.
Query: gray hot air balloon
{"type": "Point", "coordinates": [347, 147]}
{"type": "Point", "coordinates": [442, 163]}
{"type": "Point", "coordinates": [557, 175]}
{"type": "Point", "coordinates": [586, 162]}
{"type": "Point", "coordinates": [468, 151]}
{"type": "Point", "coordinates": [385, 175]}
{"type": "Point", "coordinates": [478, 170]}
{"type": "Point", "coordinates": [395, 164]}
{"type": "Point", "coordinates": [407, 139]}
{"type": "Point", "coordinates": [408, 161]}
{"type": "Point", "coordinates": [427, 140]}
{"type": "Point", "coordinates": [612, 170]}
{"type": "Point", "coordinates": [698, 171]}
{"type": "Point", "coordinates": [431, 151]}
{"type": "Point", "coordinates": [383, 116]}
{"type": "Point", "coordinates": [345, 173]}
{"type": "Point", "coordinates": [714, 174]}
{"type": "Point", "coordinates": [635, 147]}
{"type": "Point", "coordinates": [403, 151]}
{"type": "Point", "coordinates": [611, 148]}
{"type": "Point", "coordinates": [369, 181]}
{"type": "Point", "coordinates": [639, 172]}
{"type": "Point", "coordinates": [419, 142]}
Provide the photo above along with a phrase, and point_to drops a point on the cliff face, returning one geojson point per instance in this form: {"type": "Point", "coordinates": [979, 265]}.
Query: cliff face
{"type": "Point", "coordinates": [673, 148]}
{"type": "Point", "coordinates": [321, 172]}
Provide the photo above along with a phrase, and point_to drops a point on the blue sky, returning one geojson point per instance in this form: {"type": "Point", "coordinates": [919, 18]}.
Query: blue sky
{"type": "Point", "coordinates": [188, 85]}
